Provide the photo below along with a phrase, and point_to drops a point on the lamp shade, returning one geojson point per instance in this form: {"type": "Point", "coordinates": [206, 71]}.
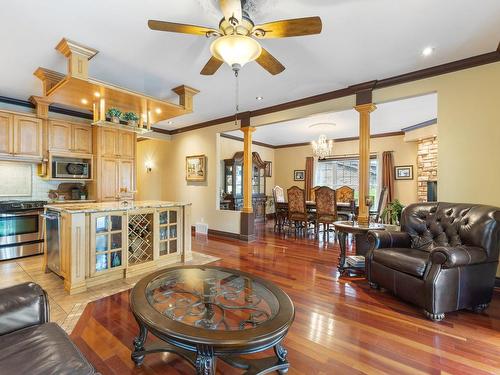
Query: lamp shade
{"type": "Point", "coordinates": [235, 50]}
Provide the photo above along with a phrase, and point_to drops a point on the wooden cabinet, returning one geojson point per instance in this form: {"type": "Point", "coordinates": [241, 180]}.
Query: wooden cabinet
{"type": "Point", "coordinates": [59, 136]}
{"type": "Point", "coordinates": [69, 137]}
{"type": "Point", "coordinates": [27, 137]}
{"type": "Point", "coordinates": [82, 139]}
{"type": "Point", "coordinates": [110, 142]}
{"type": "Point", "coordinates": [6, 134]}
{"type": "Point", "coordinates": [108, 242]}
{"type": "Point", "coordinates": [127, 144]}
{"type": "Point", "coordinates": [126, 176]}
{"type": "Point", "coordinates": [108, 179]}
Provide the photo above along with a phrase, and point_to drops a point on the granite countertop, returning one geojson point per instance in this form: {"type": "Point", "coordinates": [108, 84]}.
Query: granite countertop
{"type": "Point", "coordinates": [75, 208]}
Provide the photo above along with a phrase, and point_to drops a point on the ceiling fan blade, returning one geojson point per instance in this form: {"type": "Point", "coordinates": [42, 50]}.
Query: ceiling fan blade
{"type": "Point", "coordinates": [180, 28]}
{"type": "Point", "coordinates": [231, 8]}
{"type": "Point", "coordinates": [270, 63]}
{"type": "Point", "coordinates": [288, 28]}
{"type": "Point", "coordinates": [212, 66]}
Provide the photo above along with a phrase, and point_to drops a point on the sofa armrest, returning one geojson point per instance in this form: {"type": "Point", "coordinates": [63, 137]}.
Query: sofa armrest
{"type": "Point", "coordinates": [381, 239]}
{"type": "Point", "coordinates": [22, 306]}
{"type": "Point", "coordinates": [458, 256]}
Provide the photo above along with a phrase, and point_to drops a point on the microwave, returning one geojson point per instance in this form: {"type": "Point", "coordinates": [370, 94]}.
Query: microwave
{"type": "Point", "coordinates": [74, 169]}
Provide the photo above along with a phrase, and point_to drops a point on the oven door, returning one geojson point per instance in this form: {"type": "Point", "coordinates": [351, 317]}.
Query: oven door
{"type": "Point", "coordinates": [19, 227]}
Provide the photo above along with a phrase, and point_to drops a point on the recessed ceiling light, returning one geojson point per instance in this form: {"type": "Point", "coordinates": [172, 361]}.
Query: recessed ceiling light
{"type": "Point", "coordinates": [259, 98]}
{"type": "Point", "coordinates": [170, 122]}
{"type": "Point", "coordinates": [85, 101]}
{"type": "Point", "coordinates": [97, 95]}
{"type": "Point", "coordinates": [158, 110]}
{"type": "Point", "coordinates": [427, 51]}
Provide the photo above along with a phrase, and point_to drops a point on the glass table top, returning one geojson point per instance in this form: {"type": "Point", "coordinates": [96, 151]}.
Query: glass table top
{"type": "Point", "coordinates": [212, 299]}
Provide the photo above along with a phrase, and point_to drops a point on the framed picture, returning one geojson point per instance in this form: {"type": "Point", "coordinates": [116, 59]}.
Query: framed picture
{"type": "Point", "coordinates": [403, 172]}
{"type": "Point", "coordinates": [299, 175]}
{"type": "Point", "coordinates": [196, 168]}
{"type": "Point", "coordinates": [269, 169]}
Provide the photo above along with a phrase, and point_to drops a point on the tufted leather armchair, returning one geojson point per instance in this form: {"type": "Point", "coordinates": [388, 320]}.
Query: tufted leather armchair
{"type": "Point", "coordinates": [444, 259]}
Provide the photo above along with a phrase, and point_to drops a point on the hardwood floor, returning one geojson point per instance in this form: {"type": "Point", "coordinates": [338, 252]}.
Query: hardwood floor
{"type": "Point", "coordinates": [341, 326]}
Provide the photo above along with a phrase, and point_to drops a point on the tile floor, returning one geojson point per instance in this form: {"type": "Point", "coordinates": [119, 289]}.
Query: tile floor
{"type": "Point", "coordinates": [65, 309]}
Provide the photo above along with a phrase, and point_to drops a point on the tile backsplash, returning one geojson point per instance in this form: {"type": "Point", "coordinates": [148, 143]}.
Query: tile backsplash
{"type": "Point", "coordinates": [40, 187]}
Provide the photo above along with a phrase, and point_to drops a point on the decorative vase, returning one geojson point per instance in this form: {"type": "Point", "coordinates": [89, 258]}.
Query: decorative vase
{"type": "Point", "coordinates": [115, 119]}
{"type": "Point", "coordinates": [132, 122]}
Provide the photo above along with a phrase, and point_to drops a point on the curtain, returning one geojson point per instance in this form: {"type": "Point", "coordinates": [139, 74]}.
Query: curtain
{"type": "Point", "coordinates": [309, 177]}
{"type": "Point", "coordinates": [388, 174]}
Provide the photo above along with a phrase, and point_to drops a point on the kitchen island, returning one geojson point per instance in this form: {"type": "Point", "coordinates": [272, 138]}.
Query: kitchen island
{"type": "Point", "coordinates": [93, 243]}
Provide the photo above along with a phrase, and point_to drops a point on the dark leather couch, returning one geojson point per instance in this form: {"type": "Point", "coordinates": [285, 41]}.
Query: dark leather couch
{"type": "Point", "coordinates": [29, 344]}
{"type": "Point", "coordinates": [444, 259]}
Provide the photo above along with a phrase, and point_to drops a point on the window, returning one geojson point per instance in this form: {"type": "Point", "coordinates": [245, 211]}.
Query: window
{"type": "Point", "coordinates": [345, 171]}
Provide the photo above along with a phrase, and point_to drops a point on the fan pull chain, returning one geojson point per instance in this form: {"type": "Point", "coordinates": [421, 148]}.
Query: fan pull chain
{"type": "Point", "coordinates": [237, 98]}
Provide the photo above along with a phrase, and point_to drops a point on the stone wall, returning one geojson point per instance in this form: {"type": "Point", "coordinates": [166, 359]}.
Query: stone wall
{"type": "Point", "coordinates": [427, 153]}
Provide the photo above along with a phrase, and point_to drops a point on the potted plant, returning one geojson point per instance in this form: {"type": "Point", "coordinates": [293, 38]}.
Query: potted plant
{"type": "Point", "coordinates": [392, 212]}
{"type": "Point", "coordinates": [114, 114]}
{"type": "Point", "coordinates": [131, 118]}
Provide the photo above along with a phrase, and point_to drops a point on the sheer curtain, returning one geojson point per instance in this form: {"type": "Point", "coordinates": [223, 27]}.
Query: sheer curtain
{"type": "Point", "coordinates": [388, 174]}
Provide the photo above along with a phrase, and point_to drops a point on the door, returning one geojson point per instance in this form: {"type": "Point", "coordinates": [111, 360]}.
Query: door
{"type": "Point", "coordinates": [27, 136]}
{"type": "Point", "coordinates": [110, 142]}
{"type": "Point", "coordinates": [109, 179]}
{"type": "Point", "coordinates": [6, 134]}
{"type": "Point", "coordinates": [59, 136]}
{"type": "Point", "coordinates": [82, 139]}
{"type": "Point", "coordinates": [127, 144]}
{"type": "Point", "coordinates": [126, 176]}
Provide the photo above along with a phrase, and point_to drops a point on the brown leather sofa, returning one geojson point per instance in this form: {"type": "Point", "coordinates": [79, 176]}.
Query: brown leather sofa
{"type": "Point", "coordinates": [444, 259]}
{"type": "Point", "coordinates": [29, 343]}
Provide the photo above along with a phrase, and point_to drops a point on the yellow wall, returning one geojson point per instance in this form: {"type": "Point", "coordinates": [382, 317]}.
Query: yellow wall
{"type": "Point", "coordinates": [150, 185]}
{"type": "Point", "coordinates": [405, 153]}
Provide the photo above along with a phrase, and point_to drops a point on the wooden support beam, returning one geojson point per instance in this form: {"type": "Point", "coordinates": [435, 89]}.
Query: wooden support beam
{"type": "Point", "coordinates": [247, 168]}
{"type": "Point", "coordinates": [78, 57]}
{"type": "Point", "coordinates": [41, 106]}
{"type": "Point", "coordinates": [186, 94]}
{"type": "Point", "coordinates": [364, 160]}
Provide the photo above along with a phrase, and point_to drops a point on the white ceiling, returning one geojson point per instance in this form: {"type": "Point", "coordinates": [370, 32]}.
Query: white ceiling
{"type": "Point", "coordinates": [388, 117]}
{"type": "Point", "coordinates": [362, 40]}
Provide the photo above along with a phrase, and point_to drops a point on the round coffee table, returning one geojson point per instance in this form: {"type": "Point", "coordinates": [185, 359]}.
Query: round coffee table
{"type": "Point", "coordinates": [204, 312]}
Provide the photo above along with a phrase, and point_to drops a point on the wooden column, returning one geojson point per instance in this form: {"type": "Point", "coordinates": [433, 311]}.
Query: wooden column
{"type": "Point", "coordinates": [364, 159]}
{"type": "Point", "coordinates": [247, 230]}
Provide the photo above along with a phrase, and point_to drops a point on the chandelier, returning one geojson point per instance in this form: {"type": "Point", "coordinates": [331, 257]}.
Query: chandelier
{"type": "Point", "coordinates": [323, 147]}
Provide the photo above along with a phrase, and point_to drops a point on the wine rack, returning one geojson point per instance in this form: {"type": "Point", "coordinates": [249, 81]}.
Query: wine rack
{"type": "Point", "coordinates": [140, 238]}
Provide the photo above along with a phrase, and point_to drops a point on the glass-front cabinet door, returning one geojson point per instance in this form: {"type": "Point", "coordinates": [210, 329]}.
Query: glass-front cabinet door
{"type": "Point", "coordinates": [229, 179]}
{"type": "Point", "coordinates": [107, 242]}
{"type": "Point", "coordinates": [170, 231]}
{"type": "Point", "coordinates": [238, 175]}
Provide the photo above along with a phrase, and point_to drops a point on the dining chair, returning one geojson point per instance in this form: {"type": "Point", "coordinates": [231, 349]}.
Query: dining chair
{"type": "Point", "coordinates": [280, 212]}
{"type": "Point", "coordinates": [382, 202]}
{"type": "Point", "coordinates": [312, 194]}
{"type": "Point", "coordinates": [326, 209]}
{"type": "Point", "coordinates": [345, 194]}
{"type": "Point", "coordinates": [297, 209]}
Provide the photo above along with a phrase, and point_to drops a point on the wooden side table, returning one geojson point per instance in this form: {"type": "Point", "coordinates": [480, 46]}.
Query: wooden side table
{"type": "Point", "coordinates": [343, 228]}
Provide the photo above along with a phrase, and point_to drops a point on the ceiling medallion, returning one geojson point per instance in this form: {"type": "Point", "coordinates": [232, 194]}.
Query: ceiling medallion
{"type": "Point", "coordinates": [322, 148]}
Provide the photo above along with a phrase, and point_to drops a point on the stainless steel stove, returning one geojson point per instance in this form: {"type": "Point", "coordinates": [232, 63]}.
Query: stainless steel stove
{"type": "Point", "coordinates": [21, 231]}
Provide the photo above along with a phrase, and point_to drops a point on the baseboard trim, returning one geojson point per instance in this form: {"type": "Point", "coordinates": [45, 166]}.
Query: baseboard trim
{"type": "Point", "coordinates": [218, 233]}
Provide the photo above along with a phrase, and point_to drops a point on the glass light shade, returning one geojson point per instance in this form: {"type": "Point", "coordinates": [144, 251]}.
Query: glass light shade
{"type": "Point", "coordinates": [235, 49]}
{"type": "Point", "coordinates": [323, 147]}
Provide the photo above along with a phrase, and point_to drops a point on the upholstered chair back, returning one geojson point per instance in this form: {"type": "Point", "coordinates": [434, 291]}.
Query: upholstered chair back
{"type": "Point", "coordinates": [344, 194]}
{"type": "Point", "coordinates": [326, 204]}
{"type": "Point", "coordinates": [436, 224]}
{"type": "Point", "coordinates": [278, 194]}
{"type": "Point", "coordinates": [296, 203]}
{"type": "Point", "coordinates": [312, 193]}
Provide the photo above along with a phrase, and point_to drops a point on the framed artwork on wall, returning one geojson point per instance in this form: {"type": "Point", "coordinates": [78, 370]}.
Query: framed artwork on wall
{"type": "Point", "coordinates": [269, 169]}
{"type": "Point", "coordinates": [299, 175]}
{"type": "Point", "coordinates": [403, 172]}
{"type": "Point", "coordinates": [196, 168]}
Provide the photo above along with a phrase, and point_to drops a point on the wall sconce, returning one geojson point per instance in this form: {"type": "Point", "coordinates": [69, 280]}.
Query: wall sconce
{"type": "Point", "coordinates": [148, 165]}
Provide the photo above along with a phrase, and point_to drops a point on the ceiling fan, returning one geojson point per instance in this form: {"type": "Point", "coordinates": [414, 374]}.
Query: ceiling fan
{"type": "Point", "coordinates": [235, 40]}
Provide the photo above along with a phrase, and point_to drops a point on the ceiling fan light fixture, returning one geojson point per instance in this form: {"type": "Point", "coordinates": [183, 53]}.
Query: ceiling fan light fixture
{"type": "Point", "coordinates": [235, 50]}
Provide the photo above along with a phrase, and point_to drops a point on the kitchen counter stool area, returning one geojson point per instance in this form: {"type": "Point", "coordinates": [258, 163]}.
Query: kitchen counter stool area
{"type": "Point", "coordinates": [91, 244]}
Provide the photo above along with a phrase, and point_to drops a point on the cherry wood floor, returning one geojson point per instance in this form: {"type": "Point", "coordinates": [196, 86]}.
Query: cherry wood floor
{"type": "Point", "coordinates": [341, 325]}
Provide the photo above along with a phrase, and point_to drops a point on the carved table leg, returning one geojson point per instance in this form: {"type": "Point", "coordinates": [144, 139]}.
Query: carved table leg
{"type": "Point", "coordinates": [137, 355]}
{"type": "Point", "coordinates": [205, 360]}
{"type": "Point", "coordinates": [342, 256]}
{"type": "Point", "coordinates": [281, 353]}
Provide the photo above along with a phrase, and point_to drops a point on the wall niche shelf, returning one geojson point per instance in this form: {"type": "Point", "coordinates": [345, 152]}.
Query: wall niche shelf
{"type": "Point", "coordinates": [77, 89]}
